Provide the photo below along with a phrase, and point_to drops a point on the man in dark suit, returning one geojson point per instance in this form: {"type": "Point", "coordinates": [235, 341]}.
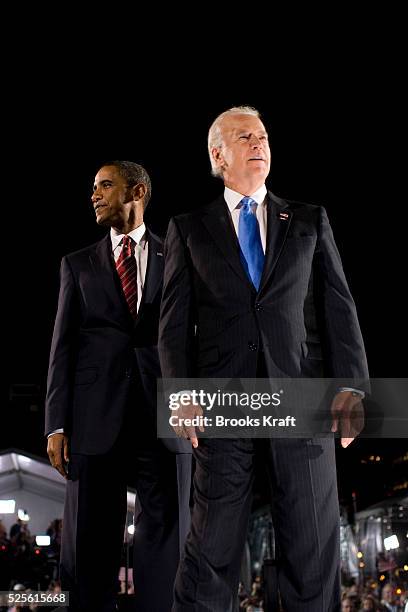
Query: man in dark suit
{"type": "Point", "coordinates": [101, 407]}
{"type": "Point", "coordinates": [254, 288]}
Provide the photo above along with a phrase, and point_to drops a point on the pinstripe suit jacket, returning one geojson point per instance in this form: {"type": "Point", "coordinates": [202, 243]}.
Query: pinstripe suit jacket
{"type": "Point", "coordinates": [213, 321]}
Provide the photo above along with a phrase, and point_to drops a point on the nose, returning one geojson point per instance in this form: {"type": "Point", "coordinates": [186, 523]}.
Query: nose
{"type": "Point", "coordinates": [255, 142]}
{"type": "Point", "coordinates": [95, 197]}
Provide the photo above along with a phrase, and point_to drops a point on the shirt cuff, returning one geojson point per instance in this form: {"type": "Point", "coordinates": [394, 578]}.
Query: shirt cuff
{"type": "Point", "coordinates": [55, 431]}
{"type": "Point", "coordinates": [354, 391]}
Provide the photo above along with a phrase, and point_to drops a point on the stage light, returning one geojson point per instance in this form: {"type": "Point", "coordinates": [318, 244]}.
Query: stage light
{"type": "Point", "coordinates": [359, 554]}
{"type": "Point", "coordinates": [131, 529]}
{"type": "Point", "coordinates": [7, 506]}
{"type": "Point", "coordinates": [382, 577]}
{"type": "Point", "coordinates": [23, 515]}
{"type": "Point", "coordinates": [391, 542]}
{"type": "Point", "coordinates": [406, 568]}
{"type": "Point", "coordinates": [42, 540]}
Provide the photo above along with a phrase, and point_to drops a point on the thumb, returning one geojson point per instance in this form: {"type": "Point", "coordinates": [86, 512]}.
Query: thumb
{"type": "Point", "coordinates": [345, 442]}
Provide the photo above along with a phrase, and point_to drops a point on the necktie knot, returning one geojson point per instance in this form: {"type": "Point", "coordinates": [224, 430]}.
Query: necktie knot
{"type": "Point", "coordinates": [128, 244]}
{"type": "Point", "coordinates": [248, 204]}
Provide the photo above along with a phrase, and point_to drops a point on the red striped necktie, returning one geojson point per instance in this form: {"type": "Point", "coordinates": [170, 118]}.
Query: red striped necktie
{"type": "Point", "coordinates": [127, 270]}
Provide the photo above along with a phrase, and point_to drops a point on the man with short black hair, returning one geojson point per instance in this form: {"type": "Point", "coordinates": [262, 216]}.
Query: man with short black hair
{"type": "Point", "coordinates": [101, 407]}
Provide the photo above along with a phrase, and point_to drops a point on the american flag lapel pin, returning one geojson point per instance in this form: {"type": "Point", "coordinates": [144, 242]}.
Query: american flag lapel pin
{"type": "Point", "coordinates": [283, 216]}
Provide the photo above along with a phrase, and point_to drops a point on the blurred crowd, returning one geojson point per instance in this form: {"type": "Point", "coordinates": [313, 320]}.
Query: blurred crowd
{"type": "Point", "coordinates": [24, 566]}
{"type": "Point", "coordinates": [375, 597]}
{"type": "Point", "coordinates": [22, 561]}
{"type": "Point", "coordinates": [372, 597]}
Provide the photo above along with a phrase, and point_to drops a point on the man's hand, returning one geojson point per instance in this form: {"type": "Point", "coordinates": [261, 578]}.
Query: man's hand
{"type": "Point", "coordinates": [347, 411]}
{"type": "Point", "coordinates": [188, 411]}
{"type": "Point", "coordinates": [57, 450]}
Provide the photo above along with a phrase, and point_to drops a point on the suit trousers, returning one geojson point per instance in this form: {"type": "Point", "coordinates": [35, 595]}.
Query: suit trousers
{"type": "Point", "coordinates": [95, 513]}
{"type": "Point", "coordinates": [305, 513]}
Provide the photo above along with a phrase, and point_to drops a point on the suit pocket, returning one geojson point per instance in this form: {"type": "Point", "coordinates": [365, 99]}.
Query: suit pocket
{"type": "Point", "coordinates": [208, 357]}
{"type": "Point", "coordinates": [86, 376]}
{"type": "Point", "coordinates": [312, 350]}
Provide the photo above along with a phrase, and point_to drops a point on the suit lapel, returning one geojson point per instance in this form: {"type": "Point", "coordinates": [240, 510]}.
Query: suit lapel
{"type": "Point", "coordinates": [103, 264]}
{"type": "Point", "coordinates": [218, 222]}
{"type": "Point", "coordinates": [279, 218]}
{"type": "Point", "coordinates": [154, 271]}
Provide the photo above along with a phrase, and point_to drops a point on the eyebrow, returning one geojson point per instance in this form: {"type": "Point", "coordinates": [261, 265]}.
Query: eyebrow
{"type": "Point", "coordinates": [242, 131]}
{"type": "Point", "coordinates": [95, 185]}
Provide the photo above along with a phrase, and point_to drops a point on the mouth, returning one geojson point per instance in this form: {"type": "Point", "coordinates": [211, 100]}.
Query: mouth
{"type": "Point", "coordinates": [99, 206]}
{"type": "Point", "coordinates": [256, 159]}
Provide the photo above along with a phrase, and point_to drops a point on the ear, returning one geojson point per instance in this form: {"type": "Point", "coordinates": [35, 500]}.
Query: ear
{"type": "Point", "coordinates": [139, 191]}
{"type": "Point", "coordinates": [217, 156]}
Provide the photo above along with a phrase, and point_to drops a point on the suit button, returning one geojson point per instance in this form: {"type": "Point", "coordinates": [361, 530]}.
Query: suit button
{"type": "Point", "coordinates": [128, 373]}
{"type": "Point", "coordinates": [258, 306]}
{"type": "Point", "coordinates": [252, 346]}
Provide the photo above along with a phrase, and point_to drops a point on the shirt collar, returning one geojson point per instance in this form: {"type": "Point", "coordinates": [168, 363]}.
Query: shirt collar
{"type": "Point", "coordinates": [138, 235]}
{"type": "Point", "coordinates": [233, 198]}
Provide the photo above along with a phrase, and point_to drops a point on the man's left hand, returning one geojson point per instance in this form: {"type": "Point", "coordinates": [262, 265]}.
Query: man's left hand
{"type": "Point", "coordinates": [348, 416]}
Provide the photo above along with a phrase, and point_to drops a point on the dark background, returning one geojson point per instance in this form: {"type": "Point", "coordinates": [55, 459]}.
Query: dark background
{"type": "Point", "coordinates": [333, 138]}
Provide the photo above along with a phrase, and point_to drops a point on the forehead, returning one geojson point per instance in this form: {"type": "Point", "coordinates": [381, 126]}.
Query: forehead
{"type": "Point", "coordinates": [107, 173]}
{"type": "Point", "coordinates": [241, 123]}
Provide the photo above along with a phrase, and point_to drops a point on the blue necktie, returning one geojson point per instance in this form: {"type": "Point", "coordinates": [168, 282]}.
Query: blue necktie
{"type": "Point", "coordinates": [252, 255]}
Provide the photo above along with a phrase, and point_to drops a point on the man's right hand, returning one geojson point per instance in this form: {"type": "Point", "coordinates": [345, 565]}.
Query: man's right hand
{"type": "Point", "coordinates": [188, 411]}
{"type": "Point", "coordinates": [58, 454]}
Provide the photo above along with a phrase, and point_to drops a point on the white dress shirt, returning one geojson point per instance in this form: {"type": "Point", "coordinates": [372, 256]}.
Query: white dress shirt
{"type": "Point", "coordinates": [233, 199]}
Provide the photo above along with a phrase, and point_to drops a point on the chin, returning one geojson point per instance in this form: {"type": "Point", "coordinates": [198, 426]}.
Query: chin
{"type": "Point", "coordinates": [260, 167]}
{"type": "Point", "coordinates": [260, 174]}
{"type": "Point", "coordinates": [102, 221]}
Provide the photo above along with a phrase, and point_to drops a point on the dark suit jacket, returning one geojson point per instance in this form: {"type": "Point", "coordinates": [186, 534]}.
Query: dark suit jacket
{"type": "Point", "coordinates": [97, 348]}
{"type": "Point", "coordinates": [213, 321]}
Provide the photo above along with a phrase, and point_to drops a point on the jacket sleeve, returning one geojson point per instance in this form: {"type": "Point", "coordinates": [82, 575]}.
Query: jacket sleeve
{"type": "Point", "coordinates": [343, 342]}
{"type": "Point", "coordinates": [176, 328]}
{"type": "Point", "coordinates": [63, 354]}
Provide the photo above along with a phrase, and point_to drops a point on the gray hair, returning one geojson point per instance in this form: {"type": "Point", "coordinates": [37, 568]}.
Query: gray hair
{"type": "Point", "coordinates": [215, 136]}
